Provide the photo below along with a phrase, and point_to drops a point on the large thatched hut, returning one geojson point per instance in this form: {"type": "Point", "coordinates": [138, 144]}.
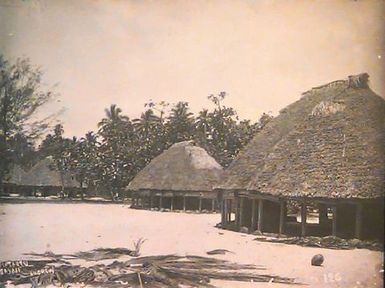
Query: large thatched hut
{"type": "Point", "coordinates": [324, 153]}
{"type": "Point", "coordinates": [182, 178]}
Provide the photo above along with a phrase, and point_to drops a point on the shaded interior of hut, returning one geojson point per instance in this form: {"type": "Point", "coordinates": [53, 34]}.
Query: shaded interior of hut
{"type": "Point", "coordinates": [175, 201]}
{"type": "Point", "coordinates": [296, 217]}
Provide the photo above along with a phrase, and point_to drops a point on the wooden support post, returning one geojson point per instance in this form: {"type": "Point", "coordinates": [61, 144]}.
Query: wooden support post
{"type": "Point", "coordinates": [151, 201]}
{"type": "Point", "coordinates": [334, 223]}
{"type": "Point", "coordinates": [230, 209]}
{"type": "Point", "coordinates": [282, 216]}
{"type": "Point", "coordinates": [241, 203]}
{"type": "Point", "coordinates": [212, 205]}
{"type": "Point", "coordinates": [253, 215]}
{"type": "Point", "coordinates": [260, 215]}
{"type": "Point", "coordinates": [160, 201]}
{"type": "Point", "coordinates": [184, 203]}
{"type": "Point", "coordinates": [142, 202]}
{"type": "Point", "coordinates": [172, 203]}
{"type": "Point", "coordinates": [226, 206]}
{"type": "Point", "coordinates": [225, 210]}
{"type": "Point", "coordinates": [303, 218]}
{"type": "Point", "coordinates": [323, 214]}
{"type": "Point", "coordinates": [200, 204]}
{"type": "Point", "coordinates": [358, 221]}
{"type": "Point", "coordinates": [236, 204]}
{"type": "Point", "coordinates": [223, 220]}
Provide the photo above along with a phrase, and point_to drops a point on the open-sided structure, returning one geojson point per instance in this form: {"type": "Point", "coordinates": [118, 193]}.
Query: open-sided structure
{"type": "Point", "coordinates": [14, 180]}
{"type": "Point", "coordinates": [181, 178]}
{"type": "Point", "coordinates": [42, 179]}
{"type": "Point", "coordinates": [324, 153]}
{"type": "Point", "coordinates": [45, 178]}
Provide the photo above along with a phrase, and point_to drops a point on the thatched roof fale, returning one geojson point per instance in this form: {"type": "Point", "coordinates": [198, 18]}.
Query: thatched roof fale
{"type": "Point", "coordinates": [45, 173]}
{"type": "Point", "coordinates": [16, 175]}
{"type": "Point", "coordinates": [182, 167]}
{"type": "Point", "coordinates": [328, 144]}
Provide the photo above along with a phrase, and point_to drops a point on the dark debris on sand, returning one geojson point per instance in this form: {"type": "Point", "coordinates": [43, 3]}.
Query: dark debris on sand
{"type": "Point", "coordinates": [330, 242]}
{"type": "Point", "coordinates": [150, 272]}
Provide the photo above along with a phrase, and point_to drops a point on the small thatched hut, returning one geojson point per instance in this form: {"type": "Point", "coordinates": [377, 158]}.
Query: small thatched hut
{"type": "Point", "coordinates": [42, 179]}
{"type": "Point", "coordinates": [182, 177]}
{"type": "Point", "coordinates": [14, 180]}
{"type": "Point", "coordinates": [324, 153]}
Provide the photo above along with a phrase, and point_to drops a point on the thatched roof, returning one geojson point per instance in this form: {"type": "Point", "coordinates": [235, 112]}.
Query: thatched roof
{"type": "Point", "coordinates": [183, 167]}
{"type": "Point", "coordinates": [44, 173]}
{"type": "Point", "coordinates": [15, 176]}
{"type": "Point", "coordinates": [328, 144]}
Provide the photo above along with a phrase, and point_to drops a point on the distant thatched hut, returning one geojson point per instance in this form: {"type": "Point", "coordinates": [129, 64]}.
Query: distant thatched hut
{"type": "Point", "coordinates": [44, 178]}
{"type": "Point", "coordinates": [325, 151]}
{"type": "Point", "coordinates": [182, 177]}
{"type": "Point", "coordinates": [14, 180]}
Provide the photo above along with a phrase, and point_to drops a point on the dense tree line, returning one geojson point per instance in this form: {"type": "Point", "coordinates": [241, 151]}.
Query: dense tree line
{"type": "Point", "coordinates": [107, 159]}
{"type": "Point", "coordinates": [110, 157]}
{"type": "Point", "coordinates": [21, 94]}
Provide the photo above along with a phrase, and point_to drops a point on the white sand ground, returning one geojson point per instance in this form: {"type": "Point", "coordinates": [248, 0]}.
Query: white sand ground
{"type": "Point", "coordinates": [68, 228]}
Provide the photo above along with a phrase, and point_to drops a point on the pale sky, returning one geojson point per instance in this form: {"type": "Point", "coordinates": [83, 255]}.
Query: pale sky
{"type": "Point", "coordinates": [263, 53]}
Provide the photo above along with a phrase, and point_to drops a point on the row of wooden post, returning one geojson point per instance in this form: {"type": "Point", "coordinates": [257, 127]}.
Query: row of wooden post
{"type": "Point", "coordinates": [257, 220]}
{"type": "Point", "coordinates": [136, 203]}
{"type": "Point", "coordinates": [323, 217]}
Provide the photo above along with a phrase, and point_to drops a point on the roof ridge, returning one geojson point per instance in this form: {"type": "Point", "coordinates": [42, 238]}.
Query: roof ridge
{"type": "Point", "coordinates": [353, 81]}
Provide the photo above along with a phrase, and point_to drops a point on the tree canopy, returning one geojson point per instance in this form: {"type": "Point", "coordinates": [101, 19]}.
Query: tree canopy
{"type": "Point", "coordinates": [21, 94]}
{"type": "Point", "coordinates": [108, 159]}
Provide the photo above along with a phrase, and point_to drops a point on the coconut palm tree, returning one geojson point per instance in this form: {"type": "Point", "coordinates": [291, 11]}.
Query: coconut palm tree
{"type": "Point", "coordinates": [151, 133]}
{"type": "Point", "coordinates": [202, 123]}
{"type": "Point", "coordinates": [180, 126]}
{"type": "Point", "coordinates": [115, 150]}
{"type": "Point", "coordinates": [84, 159]}
{"type": "Point", "coordinates": [147, 122]}
{"type": "Point", "coordinates": [113, 117]}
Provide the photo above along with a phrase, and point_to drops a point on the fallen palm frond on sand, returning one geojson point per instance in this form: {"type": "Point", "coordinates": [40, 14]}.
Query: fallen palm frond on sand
{"type": "Point", "coordinates": [151, 272]}
{"type": "Point", "coordinates": [96, 254]}
{"type": "Point", "coordinates": [330, 242]}
{"type": "Point", "coordinates": [218, 252]}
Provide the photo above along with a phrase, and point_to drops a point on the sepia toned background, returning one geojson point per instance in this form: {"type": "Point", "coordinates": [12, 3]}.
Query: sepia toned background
{"type": "Point", "coordinates": [263, 53]}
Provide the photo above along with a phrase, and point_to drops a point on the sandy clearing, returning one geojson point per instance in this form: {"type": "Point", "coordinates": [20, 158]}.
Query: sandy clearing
{"type": "Point", "coordinates": [67, 228]}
